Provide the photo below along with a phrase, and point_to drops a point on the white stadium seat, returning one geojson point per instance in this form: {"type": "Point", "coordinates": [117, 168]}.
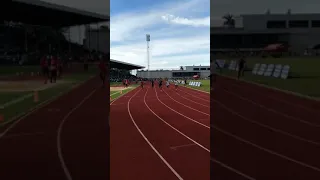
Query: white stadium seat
{"type": "Point", "coordinates": [255, 68]}
{"type": "Point", "coordinates": [262, 69]}
{"type": "Point", "coordinates": [269, 70]}
{"type": "Point", "coordinates": [277, 71]}
{"type": "Point", "coordinates": [285, 72]}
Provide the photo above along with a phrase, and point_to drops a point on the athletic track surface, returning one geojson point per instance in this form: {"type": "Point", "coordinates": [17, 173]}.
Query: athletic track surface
{"type": "Point", "coordinates": [263, 134]}
{"type": "Point", "coordinates": [66, 139]}
{"type": "Point", "coordinates": [160, 135]}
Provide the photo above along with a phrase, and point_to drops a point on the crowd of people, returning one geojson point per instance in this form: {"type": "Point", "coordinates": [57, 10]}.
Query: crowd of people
{"type": "Point", "coordinates": [52, 67]}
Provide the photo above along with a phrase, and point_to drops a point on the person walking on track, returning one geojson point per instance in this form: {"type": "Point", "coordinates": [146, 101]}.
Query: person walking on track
{"type": "Point", "coordinates": [103, 71]}
{"type": "Point", "coordinates": [160, 84]}
{"type": "Point", "coordinates": [241, 66]}
{"type": "Point", "coordinates": [53, 69]}
{"type": "Point", "coordinates": [44, 62]}
{"type": "Point", "coordinates": [126, 83]}
{"type": "Point", "coordinates": [176, 85]}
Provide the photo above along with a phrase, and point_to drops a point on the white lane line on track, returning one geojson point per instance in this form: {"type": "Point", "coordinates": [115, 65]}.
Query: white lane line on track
{"type": "Point", "coordinates": [195, 142]}
{"type": "Point", "coordinates": [182, 146]}
{"type": "Point", "coordinates": [266, 126]}
{"type": "Point", "coordinates": [186, 105]}
{"type": "Point", "coordinates": [232, 169]}
{"type": "Point", "coordinates": [43, 104]}
{"type": "Point", "coordinates": [193, 101]}
{"type": "Point", "coordinates": [200, 92]}
{"type": "Point", "coordinates": [195, 96]}
{"type": "Point", "coordinates": [281, 100]}
{"type": "Point", "coordinates": [272, 110]}
{"type": "Point", "coordinates": [62, 162]}
{"type": "Point", "coordinates": [265, 149]}
{"type": "Point", "coordinates": [180, 113]}
{"type": "Point", "coordinates": [149, 143]}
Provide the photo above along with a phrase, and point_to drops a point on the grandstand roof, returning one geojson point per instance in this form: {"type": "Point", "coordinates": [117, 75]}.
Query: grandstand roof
{"type": "Point", "coordinates": [123, 65]}
{"type": "Point", "coordinates": [36, 12]}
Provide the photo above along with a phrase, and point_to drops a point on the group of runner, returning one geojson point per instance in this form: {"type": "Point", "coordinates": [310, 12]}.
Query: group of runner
{"type": "Point", "coordinates": [160, 82]}
{"type": "Point", "coordinates": [52, 67]}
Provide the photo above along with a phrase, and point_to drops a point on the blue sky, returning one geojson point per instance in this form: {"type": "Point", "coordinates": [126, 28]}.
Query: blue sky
{"type": "Point", "coordinates": [180, 32]}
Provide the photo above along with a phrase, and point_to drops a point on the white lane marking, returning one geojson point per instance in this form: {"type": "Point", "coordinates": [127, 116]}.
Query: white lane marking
{"type": "Point", "coordinates": [149, 143]}
{"type": "Point", "coordinates": [62, 162]}
{"type": "Point", "coordinates": [280, 100]}
{"type": "Point", "coordinates": [186, 105]}
{"type": "Point", "coordinates": [23, 115]}
{"type": "Point", "coordinates": [265, 149]}
{"type": "Point", "coordinates": [193, 101]}
{"type": "Point", "coordinates": [115, 93]}
{"type": "Point", "coordinates": [274, 111]}
{"type": "Point", "coordinates": [195, 142]}
{"type": "Point", "coordinates": [195, 96]}
{"type": "Point", "coordinates": [232, 169]}
{"type": "Point", "coordinates": [182, 146]}
{"type": "Point", "coordinates": [266, 126]}
{"type": "Point", "coordinates": [180, 113]}
{"type": "Point", "coordinates": [14, 101]}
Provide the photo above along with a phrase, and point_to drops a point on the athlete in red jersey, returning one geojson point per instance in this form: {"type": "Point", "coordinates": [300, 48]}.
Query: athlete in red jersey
{"type": "Point", "coordinates": [44, 63]}
{"type": "Point", "coordinates": [53, 69]}
{"type": "Point", "coordinates": [103, 71]}
{"type": "Point", "coordinates": [126, 83]}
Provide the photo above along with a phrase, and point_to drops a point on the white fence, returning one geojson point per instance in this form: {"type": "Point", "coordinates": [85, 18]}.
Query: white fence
{"type": "Point", "coordinates": [271, 70]}
{"type": "Point", "coordinates": [193, 83]}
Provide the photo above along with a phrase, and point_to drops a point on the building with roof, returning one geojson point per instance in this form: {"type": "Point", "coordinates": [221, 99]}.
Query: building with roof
{"type": "Point", "coordinates": [36, 12]}
{"type": "Point", "coordinates": [97, 39]}
{"type": "Point", "coordinates": [124, 65]}
{"type": "Point", "coordinates": [299, 31]}
{"type": "Point", "coordinates": [187, 72]}
{"type": "Point", "coordinates": [35, 28]}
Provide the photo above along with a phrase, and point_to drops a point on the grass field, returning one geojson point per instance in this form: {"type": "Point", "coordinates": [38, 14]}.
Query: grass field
{"type": "Point", "coordinates": [11, 70]}
{"type": "Point", "coordinates": [18, 108]}
{"type": "Point", "coordinates": [205, 85]}
{"type": "Point", "coordinates": [305, 74]}
{"type": "Point", "coordinates": [115, 94]}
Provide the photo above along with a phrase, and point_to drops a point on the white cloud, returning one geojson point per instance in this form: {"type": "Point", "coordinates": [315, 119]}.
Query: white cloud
{"type": "Point", "coordinates": [172, 45]}
{"type": "Point", "coordinates": [187, 21]}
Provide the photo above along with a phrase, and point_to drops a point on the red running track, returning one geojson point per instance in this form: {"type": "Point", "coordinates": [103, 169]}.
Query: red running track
{"type": "Point", "coordinates": [263, 134]}
{"type": "Point", "coordinates": [160, 135]}
{"type": "Point", "coordinates": [66, 139]}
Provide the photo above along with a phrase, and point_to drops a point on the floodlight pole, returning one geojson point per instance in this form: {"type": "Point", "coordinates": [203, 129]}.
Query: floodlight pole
{"type": "Point", "coordinates": [148, 53]}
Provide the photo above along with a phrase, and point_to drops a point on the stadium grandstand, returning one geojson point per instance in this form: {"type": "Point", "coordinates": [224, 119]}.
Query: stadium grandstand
{"type": "Point", "coordinates": [255, 33]}
{"type": "Point", "coordinates": [34, 28]}
{"type": "Point", "coordinates": [121, 70]}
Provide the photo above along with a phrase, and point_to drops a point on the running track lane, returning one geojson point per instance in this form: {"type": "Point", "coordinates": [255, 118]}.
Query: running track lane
{"type": "Point", "coordinates": [253, 132]}
{"type": "Point", "coordinates": [29, 149]}
{"type": "Point", "coordinates": [130, 156]}
{"type": "Point", "coordinates": [190, 161]}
